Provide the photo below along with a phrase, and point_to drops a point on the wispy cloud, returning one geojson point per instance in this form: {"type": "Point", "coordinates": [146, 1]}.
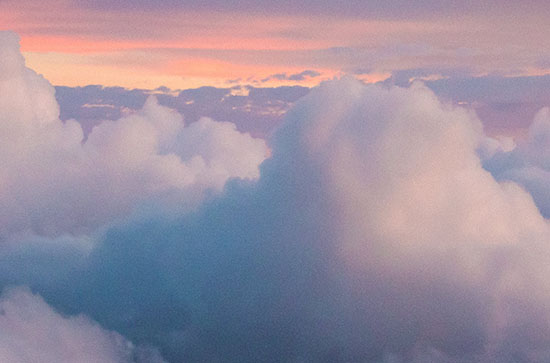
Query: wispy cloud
{"type": "Point", "coordinates": [292, 77]}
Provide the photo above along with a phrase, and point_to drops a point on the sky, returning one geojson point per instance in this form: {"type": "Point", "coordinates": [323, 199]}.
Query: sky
{"type": "Point", "coordinates": [185, 44]}
{"type": "Point", "coordinates": [256, 181]}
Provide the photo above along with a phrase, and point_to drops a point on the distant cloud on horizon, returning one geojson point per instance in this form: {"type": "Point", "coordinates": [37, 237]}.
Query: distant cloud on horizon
{"type": "Point", "coordinates": [293, 77]}
{"type": "Point", "coordinates": [506, 105]}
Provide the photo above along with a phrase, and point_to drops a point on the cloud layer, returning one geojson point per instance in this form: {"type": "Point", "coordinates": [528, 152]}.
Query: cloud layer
{"type": "Point", "coordinates": [253, 110]}
{"type": "Point", "coordinates": [374, 232]}
{"type": "Point", "coordinates": [505, 105]}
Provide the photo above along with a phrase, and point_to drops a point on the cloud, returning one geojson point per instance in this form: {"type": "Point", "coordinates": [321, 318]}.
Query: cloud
{"type": "Point", "coordinates": [31, 331]}
{"type": "Point", "coordinates": [257, 111]}
{"type": "Point", "coordinates": [293, 77]}
{"type": "Point", "coordinates": [506, 105]}
{"type": "Point", "coordinates": [528, 163]}
{"type": "Point", "coordinates": [405, 77]}
{"type": "Point", "coordinates": [52, 183]}
{"type": "Point", "coordinates": [503, 103]}
{"type": "Point", "coordinates": [392, 9]}
{"type": "Point", "coordinates": [373, 232]}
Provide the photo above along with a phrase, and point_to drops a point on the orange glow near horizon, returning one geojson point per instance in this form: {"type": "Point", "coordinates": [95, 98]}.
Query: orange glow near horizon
{"type": "Point", "coordinates": [179, 49]}
{"type": "Point", "coordinates": [71, 69]}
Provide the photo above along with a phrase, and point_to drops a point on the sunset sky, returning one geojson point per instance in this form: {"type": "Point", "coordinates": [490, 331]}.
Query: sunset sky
{"type": "Point", "coordinates": [184, 44]}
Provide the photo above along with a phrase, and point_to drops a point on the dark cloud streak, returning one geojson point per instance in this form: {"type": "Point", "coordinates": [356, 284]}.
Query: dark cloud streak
{"type": "Point", "coordinates": [384, 9]}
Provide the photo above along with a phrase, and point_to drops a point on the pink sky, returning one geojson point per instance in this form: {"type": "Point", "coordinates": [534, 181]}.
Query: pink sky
{"type": "Point", "coordinates": [145, 44]}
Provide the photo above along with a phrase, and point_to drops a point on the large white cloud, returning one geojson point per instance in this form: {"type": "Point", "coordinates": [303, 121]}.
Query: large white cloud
{"type": "Point", "coordinates": [53, 183]}
{"type": "Point", "coordinates": [31, 331]}
{"type": "Point", "coordinates": [437, 245]}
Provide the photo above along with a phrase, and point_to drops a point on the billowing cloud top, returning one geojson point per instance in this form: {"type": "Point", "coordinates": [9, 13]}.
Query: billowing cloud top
{"type": "Point", "coordinates": [372, 233]}
{"type": "Point", "coordinates": [52, 182]}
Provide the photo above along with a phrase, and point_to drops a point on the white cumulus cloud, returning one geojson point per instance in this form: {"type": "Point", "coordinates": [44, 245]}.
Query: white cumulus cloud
{"type": "Point", "coordinates": [54, 183]}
